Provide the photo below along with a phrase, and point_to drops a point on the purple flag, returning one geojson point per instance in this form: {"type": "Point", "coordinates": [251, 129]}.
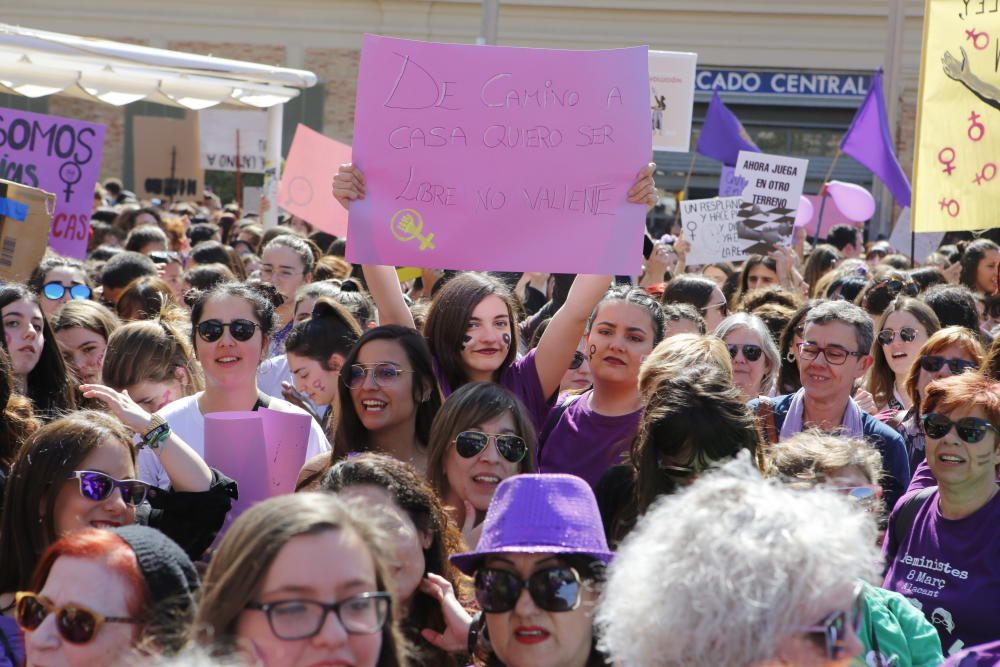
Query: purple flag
{"type": "Point", "coordinates": [722, 135]}
{"type": "Point", "coordinates": [868, 142]}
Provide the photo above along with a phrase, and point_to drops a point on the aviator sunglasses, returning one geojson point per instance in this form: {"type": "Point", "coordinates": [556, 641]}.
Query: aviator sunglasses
{"type": "Point", "coordinates": [98, 486]}
{"type": "Point", "coordinates": [970, 429]}
{"type": "Point", "coordinates": [906, 334]}
{"type": "Point", "coordinates": [382, 374]}
{"type": "Point", "coordinates": [556, 589]}
{"type": "Point", "coordinates": [75, 623]}
{"type": "Point", "coordinates": [241, 330]}
{"type": "Point", "coordinates": [55, 291]}
{"type": "Point", "coordinates": [472, 443]}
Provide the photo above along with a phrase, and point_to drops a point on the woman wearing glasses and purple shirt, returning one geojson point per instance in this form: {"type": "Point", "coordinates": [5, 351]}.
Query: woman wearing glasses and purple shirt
{"type": "Point", "coordinates": [231, 325]}
{"type": "Point", "coordinates": [941, 543]}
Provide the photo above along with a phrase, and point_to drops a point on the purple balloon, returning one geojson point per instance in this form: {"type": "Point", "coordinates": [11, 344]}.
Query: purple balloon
{"type": "Point", "coordinates": [804, 214]}
{"type": "Point", "coordinates": [856, 203]}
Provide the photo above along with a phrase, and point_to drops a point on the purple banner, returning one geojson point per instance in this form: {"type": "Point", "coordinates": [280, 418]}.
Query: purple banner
{"type": "Point", "coordinates": [59, 155]}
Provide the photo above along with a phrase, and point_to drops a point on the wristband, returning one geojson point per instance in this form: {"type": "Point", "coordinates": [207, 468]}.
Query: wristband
{"type": "Point", "coordinates": [159, 430]}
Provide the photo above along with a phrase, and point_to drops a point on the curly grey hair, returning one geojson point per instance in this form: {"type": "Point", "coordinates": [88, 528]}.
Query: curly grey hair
{"type": "Point", "coordinates": [724, 572]}
{"type": "Point", "coordinates": [756, 325]}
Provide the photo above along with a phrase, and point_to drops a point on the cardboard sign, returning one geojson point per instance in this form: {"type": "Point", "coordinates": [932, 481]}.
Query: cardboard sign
{"type": "Point", "coordinates": [924, 243]}
{"type": "Point", "coordinates": [956, 168]}
{"type": "Point", "coordinates": [61, 156]}
{"type": "Point", "coordinates": [230, 137]}
{"type": "Point", "coordinates": [499, 158]}
{"type": "Point", "coordinates": [306, 187]}
{"type": "Point", "coordinates": [730, 185]}
{"type": "Point", "coordinates": [711, 226]}
{"type": "Point", "coordinates": [167, 162]}
{"type": "Point", "coordinates": [671, 92]}
{"type": "Point", "coordinates": [25, 219]}
{"type": "Point", "coordinates": [769, 200]}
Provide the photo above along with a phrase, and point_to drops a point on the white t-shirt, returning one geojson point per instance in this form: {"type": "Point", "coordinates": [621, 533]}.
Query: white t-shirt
{"type": "Point", "coordinates": [187, 421]}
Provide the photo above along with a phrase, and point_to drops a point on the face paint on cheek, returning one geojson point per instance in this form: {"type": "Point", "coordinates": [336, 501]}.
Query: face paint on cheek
{"type": "Point", "coordinates": [593, 351]}
{"type": "Point", "coordinates": [506, 339]}
{"type": "Point", "coordinates": [465, 341]}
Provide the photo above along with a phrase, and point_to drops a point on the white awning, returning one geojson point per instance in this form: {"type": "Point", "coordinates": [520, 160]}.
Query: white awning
{"type": "Point", "coordinates": [35, 63]}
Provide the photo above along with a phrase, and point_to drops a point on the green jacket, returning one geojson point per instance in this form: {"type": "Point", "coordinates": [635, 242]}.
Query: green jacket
{"type": "Point", "coordinates": [904, 636]}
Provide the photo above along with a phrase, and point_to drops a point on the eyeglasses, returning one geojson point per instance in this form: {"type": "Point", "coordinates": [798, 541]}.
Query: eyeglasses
{"type": "Point", "coordinates": [835, 355]}
{"type": "Point", "coordinates": [578, 360]}
{"type": "Point", "coordinates": [75, 623]}
{"type": "Point", "coordinates": [866, 496]}
{"type": "Point", "coordinates": [932, 363]}
{"type": "Point", "coordinates": [556, 589]}
{"type": "Point", "coordinates": [472, 443]}
{"type": "Point", "coordinates": [211, 330]}
{"type": "Point", "coordinates": [750, 352]}
{"type": "Point", "coordinates": [834, 628]}
{"type": "Point", "coordinates": [722, 306]}
{"type": "Point", "coordinates": [55, 291]}
{"type": "Point", "coordinates": [164, 257]}
{"type": "Point", "coordinates": [290, 620]}
{"type": "Point", "coordinates": [383, 374]}
{"type": "Point", "coordinates": [970, 429]}
{"type": "Point", "coordinates": [907, 334]}
{"type": "Point", "coordinates": [98, 486]}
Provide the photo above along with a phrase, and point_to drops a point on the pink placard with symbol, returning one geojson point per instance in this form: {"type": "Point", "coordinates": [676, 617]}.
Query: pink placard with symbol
{"type": "Point", "coordinates": [61, 156]}
{"type": "Point", "coordinates": [499, 158]}
{"type": "Point", "coordinates": [306, 187]}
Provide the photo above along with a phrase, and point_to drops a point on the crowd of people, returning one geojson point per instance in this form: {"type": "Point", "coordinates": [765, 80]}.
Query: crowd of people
{"type": "Point", "coordinates": [790, 461]}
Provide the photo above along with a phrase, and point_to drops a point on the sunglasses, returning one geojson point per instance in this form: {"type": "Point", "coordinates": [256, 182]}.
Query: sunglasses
{"type": "Point", "coordinates": [472, 443]}
{"type": "Point", "coordinates": [164, 257]}
{"type": "Point", "coordinates": [970, 429]}
{"type": "Point", "coordinates": [835, 356]}
{"type": "Point", "coordinates": [382, 374]}
{"type": "Point", "coordinates": [834, 628]}
{"type": "Point", "coordinates": [556, 589]}
{"type": "Point", "coordinates": [750, 352]}
{"type": "Point", "coordinates": [98, 486]}
{"type": "Point", "coordinates": [896, 286]}
{"type": "Point", "coordinates": [907, 334]}
{"type": "Point", "coordinates": [75, 623]}
{"type": "Point", "coordinates": [578, 360]}
{"type": "Point", "coordinates": [722, 306]}
{"type": "Point", "coordinates": [933, 363]}
{"type": "Point", "coordinates": [241, 330]}
{"type": "Point", "coordinates": [55, 291]}
{"type": "Point", "coordinates": [866, 496]}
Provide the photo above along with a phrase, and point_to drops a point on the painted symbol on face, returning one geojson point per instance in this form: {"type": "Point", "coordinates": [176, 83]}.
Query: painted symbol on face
{"type": "Point", "coordinates": [593, 351]}
{"type": "Point", "coordinates": [980, 40]}
{"type": "Point", "coordinates": [976, 129]}
{"type": "Point", "coordinates": [950, 206]}
{"type": "Point", "coordinates": [987, 173]}
{"type": "Point", "coordinates": [407, 225]}
{"type": "Point", "coordinates": [506, 339]}
{"type": "Point", "coordinates": [946, 156]}
{"type": "Point", "coordinates": [466, 340]}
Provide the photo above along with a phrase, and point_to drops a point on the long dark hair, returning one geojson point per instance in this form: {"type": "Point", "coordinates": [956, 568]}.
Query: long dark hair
{"type": "Point", "coordinates": [752, 261]}
{"type": "Point", "coordinates": [881, 380]}
{"type": "Point", "coordinates": [47, 384]}
{"type": "Point", "coordinates": [18, 422]}
{"type": "Point", "coordinates": [448, 317]}
{"type": "Point", "coordinates": [413, 495]}
{"type": "Point", "coordinates": [973, 255]}
{"type": "Point", "coordinates": [350, 434]}
{"type": "Point", "coordinates": [330, 330]}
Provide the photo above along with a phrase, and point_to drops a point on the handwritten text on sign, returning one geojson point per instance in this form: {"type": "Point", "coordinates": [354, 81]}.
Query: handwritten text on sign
{"type": "Point", "coordinates": [499, 158]}
{"type": "Point", "coordinates": [62, 156]}
{"type": "Point", "coordinates": [711, 227]}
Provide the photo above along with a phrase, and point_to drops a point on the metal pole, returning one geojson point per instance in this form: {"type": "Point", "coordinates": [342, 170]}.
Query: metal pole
{"type": "Point", "coordinates": [272, 164]}
{"type": "Point", "coordinates": [488, 27]}
{"type": "Point", "coordinates": [893, 86]}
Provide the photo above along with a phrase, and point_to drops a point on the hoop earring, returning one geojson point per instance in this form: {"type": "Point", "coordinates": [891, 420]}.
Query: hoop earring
{"type": "Point", "coordinates": [790, 357]}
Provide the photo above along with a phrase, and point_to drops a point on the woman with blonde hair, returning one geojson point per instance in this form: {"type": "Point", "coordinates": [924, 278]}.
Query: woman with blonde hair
{"type": "Point", "coordinates": [678, 352]}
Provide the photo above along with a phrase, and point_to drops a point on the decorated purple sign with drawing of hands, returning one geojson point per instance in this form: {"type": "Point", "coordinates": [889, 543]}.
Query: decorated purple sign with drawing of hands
{"type": "Point", "coordinates": [499, 158]}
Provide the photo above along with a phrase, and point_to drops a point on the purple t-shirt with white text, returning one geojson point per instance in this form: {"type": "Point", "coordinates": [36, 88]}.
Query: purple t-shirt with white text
{"type": "Point", "coordinates": [585, 443]}
{"type": "Point", "coordinates": [950, 570]}
{"type": "Point", "coordinates": [987, 655]}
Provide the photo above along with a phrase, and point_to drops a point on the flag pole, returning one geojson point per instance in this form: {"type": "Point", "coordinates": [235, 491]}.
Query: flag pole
{"type": "Point", "coordinates": [829, 172]}
{"type": "Point", "coordinates": [687, 178]}
{"type": "Point", "coordinates": [819, 218]}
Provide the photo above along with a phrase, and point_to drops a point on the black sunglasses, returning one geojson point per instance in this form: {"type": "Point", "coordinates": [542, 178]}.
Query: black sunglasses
{"type": "Point", "coordinates": [98, 486]}
{"type": "Point", "coordinates": [578, 360]}
{"type": "Point", "coordinates": [970, 429]}
{"type": "Point", "coordinates": [211, 330]}
{"type": "Point", "coordinates": [556, 589]}
{"type": "Point", "coordinates": [75, 623]}
{"type": "Point", "coordinates": [932, 363]}
{"type": "Point", "coordinates": [472, 443]}
{"type": "Point", "coordinates": [750, 352]}
{"type": "Point", "coordinates": [55, 291]}
{"type": "Point", "coordinates": [907, 334]}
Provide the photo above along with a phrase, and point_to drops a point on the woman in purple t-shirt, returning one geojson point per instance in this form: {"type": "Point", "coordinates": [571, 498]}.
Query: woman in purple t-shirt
{"type": "Point", "coordinates": [946, 563]}
{"type": "Point", "coordinates": [589, 432]}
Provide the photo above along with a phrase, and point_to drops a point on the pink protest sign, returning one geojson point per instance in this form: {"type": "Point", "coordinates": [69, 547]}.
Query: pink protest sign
{"type": "Point", "coordinates": [62, 156]}
{"type": "Point", "coordinates": [286, 435]}
{"type": "Point", "coordinates": [499, 158]}
{"type": "Point", "coordinates": [306, 183]}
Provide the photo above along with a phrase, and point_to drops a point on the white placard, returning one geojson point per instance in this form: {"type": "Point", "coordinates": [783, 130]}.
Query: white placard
{"type": "Point", "coordinates": [218, 131]}
{"type": "Point", "coordinates": [769, 200]}
{"type": "Point", "coordinates": [671, 92]}
{"type": "Point", "coordinates": [710, 225]}
{"type": "Point", "coordinates": [924, 243]}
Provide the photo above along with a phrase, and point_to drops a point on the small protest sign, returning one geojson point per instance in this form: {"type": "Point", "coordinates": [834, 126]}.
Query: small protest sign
{"type": "Point", "coordinates": [167, 162]}
{"type": "Point", "coordinates": [306, 187]}
{"type": "Point", "coordinates": [61, 156]}
{"type": "Point", "coordinates": [499, 158]}
{"type": "Point", "coordinates": [230, 136]}
{"type": "Point", "coordinates": [710, 225]}
{"type": "Point", "coordinates": [671, 91]}
{"type": "Point", "coordinates": [730, 185]}
{"type": "Point", "coordinates": [769, 200]}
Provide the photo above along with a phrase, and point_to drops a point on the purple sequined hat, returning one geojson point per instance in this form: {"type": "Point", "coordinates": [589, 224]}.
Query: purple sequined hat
{"type": "Point", "coordinates": [531, 514]}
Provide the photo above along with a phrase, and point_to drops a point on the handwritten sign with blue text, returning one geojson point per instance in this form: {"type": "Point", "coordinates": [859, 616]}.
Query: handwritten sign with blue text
{"type": "Point", "coordinates": [499, 158]}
